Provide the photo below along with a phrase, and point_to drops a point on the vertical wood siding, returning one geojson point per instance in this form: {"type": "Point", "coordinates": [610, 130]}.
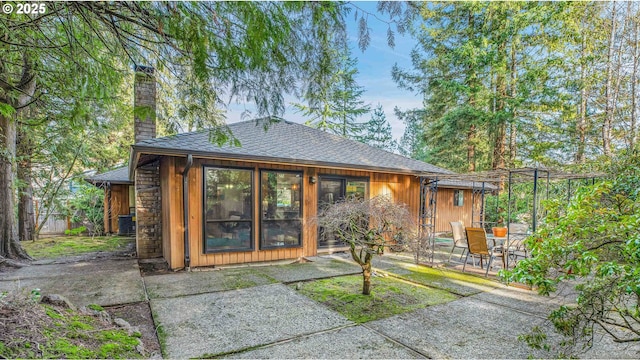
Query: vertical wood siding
{"type": "Point", "coordinates": [119, 205]}
{"type": "Point", "coordinates": [402, 188]}
{"type": "Point", "coordinates": [446, 212]}
{"type": "Point", "coordinates": [172, 215]}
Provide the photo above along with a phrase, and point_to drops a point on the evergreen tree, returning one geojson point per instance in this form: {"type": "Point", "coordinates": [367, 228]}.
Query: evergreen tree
{"type": "Point", "coordinates": [334, 101]}
{"type": "Point", "coordinates": [377, 131]}
{"type": "Point", "coordinates": [413, 142]}
{"type": "Point", "coordinates": [75, 55]}
{"type": "Point", "coordinates": [347, 100]}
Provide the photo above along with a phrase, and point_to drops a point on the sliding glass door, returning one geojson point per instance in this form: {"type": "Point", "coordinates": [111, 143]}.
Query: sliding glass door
{"type": "Point", "coordinates": [331, 190]}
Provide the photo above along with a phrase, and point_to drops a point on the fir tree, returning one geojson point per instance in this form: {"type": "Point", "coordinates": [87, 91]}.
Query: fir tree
{"type": "Point", "coordinates": [412, 143]}
{"type": "Point", "coordinates": [334, 101]}
{"type": "Point", "coordinates": [377, 131]}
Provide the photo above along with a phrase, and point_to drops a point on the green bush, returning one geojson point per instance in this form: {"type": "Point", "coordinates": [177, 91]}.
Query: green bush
{"type": "Point", "coordinates": [76, 231]}
{"type": "Point", "coordinates": [593, 242]}
{"type": "Point", "coordinates": [86, 208]}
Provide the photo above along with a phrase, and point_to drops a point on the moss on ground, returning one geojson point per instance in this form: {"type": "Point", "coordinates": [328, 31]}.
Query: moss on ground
{"type": "Point", "coordinates": [162, 339]}
{"type": "Point", "coordinates": [33, 330]}
{"type": "Point", "coordinates": [54, 247]}
{"type": "Point", "coordinates": [389, 296]}
{"type": "Point", "coordinates": [234, 279]}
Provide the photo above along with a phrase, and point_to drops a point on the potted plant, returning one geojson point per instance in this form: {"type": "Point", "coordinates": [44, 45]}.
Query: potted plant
{"type": "Point", "coordinates": [499, 230]}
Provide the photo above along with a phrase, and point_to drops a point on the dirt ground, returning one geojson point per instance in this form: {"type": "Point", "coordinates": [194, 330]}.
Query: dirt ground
{"type": "Point", "coordinates": [139, 315]}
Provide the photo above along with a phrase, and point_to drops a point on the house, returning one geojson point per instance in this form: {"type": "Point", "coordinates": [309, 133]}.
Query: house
{"type": "Point", "coordinates": [119, 198]}
{"type": "Point", "coordinates": [200, 204]}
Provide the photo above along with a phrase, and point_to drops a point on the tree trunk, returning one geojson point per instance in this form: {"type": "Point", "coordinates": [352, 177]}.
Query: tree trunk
{"type": "Point", "coordinates": [500, 129]}
{"type": "Point", "coordinates": [471, 148]}
{"type": "Point", "coordinates": [634, 81]}
{"type": "Point", "coordinates": [26, 213]}
{"type": "Point", "coordinates": [25, 86]}
{"type": "Point", "coordinates": [500, 95]}
{"type": "Point", "coordinates": [9, 244]}
{"type": "Point", "coordinates": [366, 278]}
{"type": "Point", "coordinates": [581, 126]}
{"type": "Point", "coordinates": [472, 83]}
{"type": "Point", "coordinates": [609, 91]}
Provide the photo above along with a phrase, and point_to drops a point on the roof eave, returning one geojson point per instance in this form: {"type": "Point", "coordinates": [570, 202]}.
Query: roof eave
{"type": "Point", "coordinates": [134, 156]}
{"type": "Point", "coordinates": [140, 149]}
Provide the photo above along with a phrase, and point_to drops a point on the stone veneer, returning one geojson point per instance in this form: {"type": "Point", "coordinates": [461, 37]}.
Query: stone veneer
{"type": "Point", "coordinates": [147, 177]}
{"type": "Point", "coordinates": [148, 211]}
{"type": "Point", "coordinates": [144, 103]}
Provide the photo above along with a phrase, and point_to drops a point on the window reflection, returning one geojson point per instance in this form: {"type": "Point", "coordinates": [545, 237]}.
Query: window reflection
{"type": "Point", "coordinates": [333, 189]}
{"type": "Point", "coordinates": [281, 209]}
{"type": "Point", "coordinates": [228, 209]}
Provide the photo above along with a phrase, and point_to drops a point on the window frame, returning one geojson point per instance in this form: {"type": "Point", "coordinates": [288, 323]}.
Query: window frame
{"type": "Point", "coordinates": [204, 210]}
{"type": "Point", "coordinates": [345, 179]}
{"type": "Point", "coordinates": [458, 194]}
{"type": "Point", "coordinates": [261, 245]}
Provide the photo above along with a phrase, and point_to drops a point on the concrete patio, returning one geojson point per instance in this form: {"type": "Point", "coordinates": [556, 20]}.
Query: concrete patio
{"type": "Point", "coordinates": [250, 312]}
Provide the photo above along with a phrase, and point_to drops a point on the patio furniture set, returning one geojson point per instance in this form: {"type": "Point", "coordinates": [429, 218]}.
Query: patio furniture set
{"type": "Point", "coordinates": [475, 242]}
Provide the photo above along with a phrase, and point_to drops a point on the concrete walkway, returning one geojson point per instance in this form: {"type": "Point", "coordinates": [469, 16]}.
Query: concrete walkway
{"type": "Point", "coordinates": [250, 312]}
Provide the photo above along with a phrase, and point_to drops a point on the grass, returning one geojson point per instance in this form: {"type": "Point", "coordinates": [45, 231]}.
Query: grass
{"type": "Point", "coordinates": [54, 247]}
{"type": "Point", "coordinates": [389, 296]}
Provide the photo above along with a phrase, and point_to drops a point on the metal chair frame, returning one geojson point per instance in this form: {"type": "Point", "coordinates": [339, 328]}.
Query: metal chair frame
{"type": "Point", "coordinates": [477, 241]}
{"type": "Point", "coordinates": [459, 239]}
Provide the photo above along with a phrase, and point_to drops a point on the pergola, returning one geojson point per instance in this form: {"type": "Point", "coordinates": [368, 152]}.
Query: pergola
{"type": "Point", "coordinates": [488, 182]}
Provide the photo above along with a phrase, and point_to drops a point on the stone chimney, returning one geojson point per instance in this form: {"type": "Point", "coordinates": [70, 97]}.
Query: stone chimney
{"type": "Point", "coordinates": [144, 103]}
{"type": "Point", "coordinates": [147, 176]}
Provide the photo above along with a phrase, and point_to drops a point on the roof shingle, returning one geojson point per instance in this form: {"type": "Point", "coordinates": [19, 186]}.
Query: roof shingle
{"type": "Point", "coordinates": [116, 176]}
{"type": "Point", "coordinates": [286, 141]}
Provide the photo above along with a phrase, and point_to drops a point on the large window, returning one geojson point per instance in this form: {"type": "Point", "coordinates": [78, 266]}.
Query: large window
{"type": "Point", "coordinates": [281, 210]}
{"type": "Point", "coordinates": [228, 209]}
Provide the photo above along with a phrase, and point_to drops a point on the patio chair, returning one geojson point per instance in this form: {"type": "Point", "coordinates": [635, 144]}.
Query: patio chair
{"type": "Point", "coordinates": [517, 235]}
{"type": "Point", "coordinates": [459, 238]}
{"type": "Point", "coordinates": [477, 241]}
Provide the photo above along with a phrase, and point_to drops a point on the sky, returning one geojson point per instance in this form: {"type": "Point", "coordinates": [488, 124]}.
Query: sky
{"type": "Point", "coordinates": [374, 67]}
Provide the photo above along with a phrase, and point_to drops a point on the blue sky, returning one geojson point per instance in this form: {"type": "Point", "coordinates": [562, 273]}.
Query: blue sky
{"type": "Point", "coordinates": [374, 66]}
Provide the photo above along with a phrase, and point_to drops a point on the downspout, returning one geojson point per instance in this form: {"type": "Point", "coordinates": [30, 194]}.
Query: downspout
{"type": "Point", "coordinates": [185, 207]}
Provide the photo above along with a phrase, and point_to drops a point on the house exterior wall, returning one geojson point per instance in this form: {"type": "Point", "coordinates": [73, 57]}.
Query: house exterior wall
{"type": "Point", "coordinates": [446, 212]}
{"type": "Point", "coordinates": [119, 194]}
{"type": "Point", "coordinates": [403, 188]}
{"type": "Point", "coordinates": [172, 215]}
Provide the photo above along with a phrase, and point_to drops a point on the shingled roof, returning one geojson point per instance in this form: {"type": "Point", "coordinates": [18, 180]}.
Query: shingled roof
{"type": "Point", "coordinates": [290, 142]}
{"type": "Point", "coordinates": [116, 176]}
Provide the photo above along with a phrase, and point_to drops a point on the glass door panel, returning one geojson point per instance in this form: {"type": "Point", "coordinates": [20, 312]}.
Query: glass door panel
{"type": "Point", "coordinates": [358, 189]}
{"type": "Point", "coordinates": [331, 190]}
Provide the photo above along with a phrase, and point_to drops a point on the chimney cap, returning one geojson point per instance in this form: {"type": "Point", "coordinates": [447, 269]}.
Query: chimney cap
{"type": "Point", "coordinates": [149, 70]}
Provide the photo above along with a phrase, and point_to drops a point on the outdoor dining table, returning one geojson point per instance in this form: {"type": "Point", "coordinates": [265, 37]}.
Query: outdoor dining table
{"type": "Point", "coordinates": [495, 240]}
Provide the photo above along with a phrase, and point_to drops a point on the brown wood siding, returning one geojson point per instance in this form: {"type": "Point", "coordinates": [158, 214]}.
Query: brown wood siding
{"type": "Point", "coordinates": [446, 212]}
{"type": "Point", "coordinates": [309, 211]}
{"type": "Point", "coordinates": [402, 188]}
{"type": "Point", "coordinates": [172, 215]}
{"type": "Point", "coordinates": [196, 236]}
{"type": "Point", "coordinates": [119, 205]}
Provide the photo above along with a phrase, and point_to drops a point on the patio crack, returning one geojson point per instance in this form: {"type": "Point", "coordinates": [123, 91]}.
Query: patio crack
{"type": "Point", "coordinates": [278, 342]}
{"type": "Point", "coordinates": [398, 342]}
